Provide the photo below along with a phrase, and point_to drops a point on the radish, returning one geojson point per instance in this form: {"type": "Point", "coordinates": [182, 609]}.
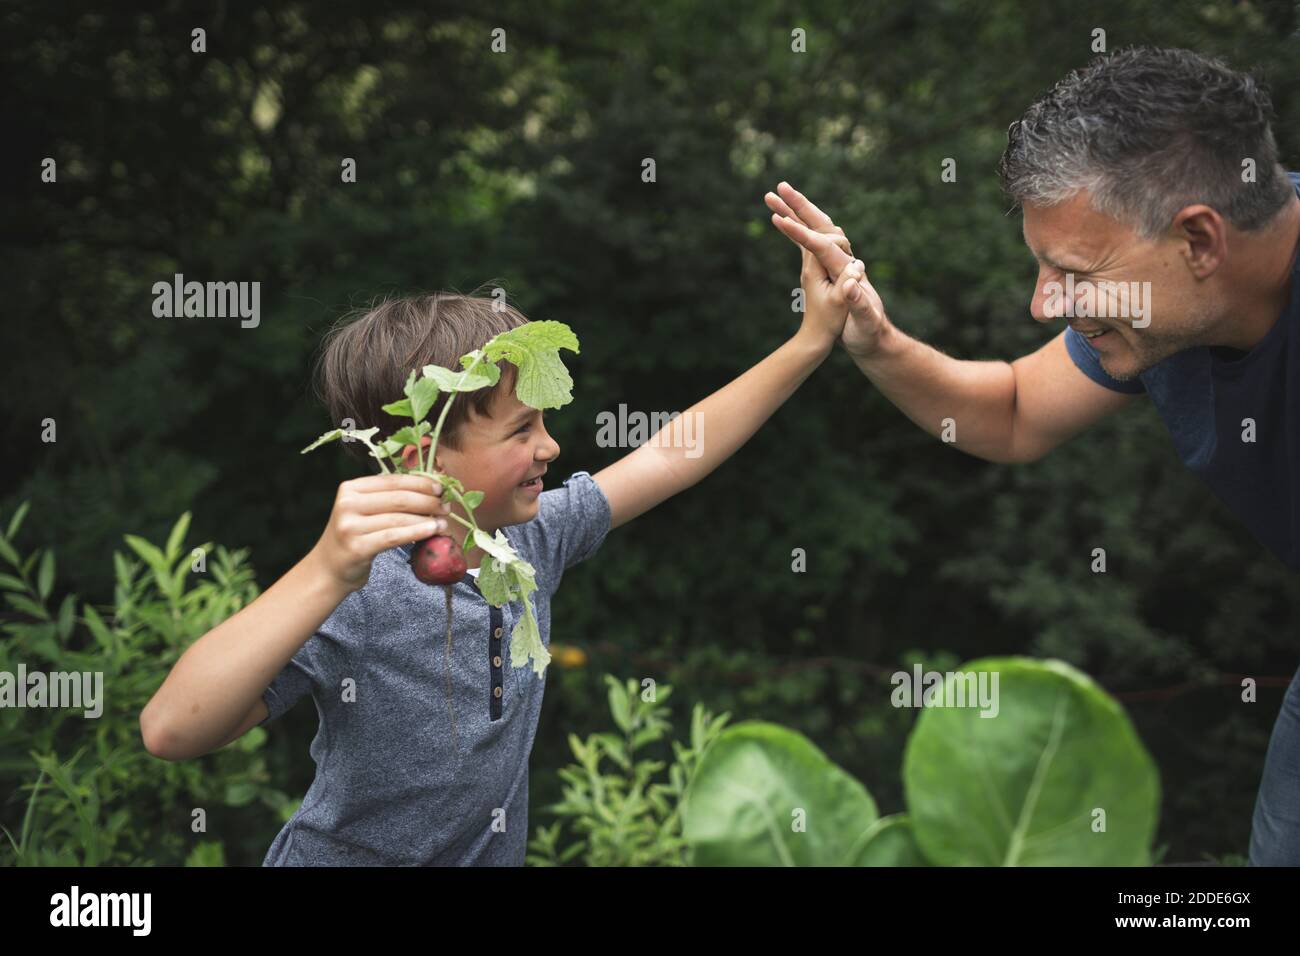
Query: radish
{"type": "Point", "coordinates": [438, 560]}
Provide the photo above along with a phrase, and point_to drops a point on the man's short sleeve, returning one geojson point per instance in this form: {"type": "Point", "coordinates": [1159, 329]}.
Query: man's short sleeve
{"type": "Point", "coordinates": [571, 523]}
{"type": "Point", "coordinates": [313, 666]}
{"type": "Point", "coordinates": [1088, 362]}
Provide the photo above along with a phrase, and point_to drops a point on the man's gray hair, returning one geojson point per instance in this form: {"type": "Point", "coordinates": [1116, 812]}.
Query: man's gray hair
{"type": "Point", "coordinates": [1147, 132]}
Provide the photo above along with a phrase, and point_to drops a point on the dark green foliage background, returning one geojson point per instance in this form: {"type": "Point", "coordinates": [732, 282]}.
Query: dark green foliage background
{"type": "Point", "coordinates": [525, 167]}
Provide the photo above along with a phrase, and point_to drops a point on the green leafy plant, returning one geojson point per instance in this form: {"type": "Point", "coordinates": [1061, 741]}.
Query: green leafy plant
{"type": "Point", "coordinates": [614, 799]}
{"type": "Point", "coordinates": [1058, 777]}
{"type": "Point", "coordinates": [111, 802]}
{"type": "Point", "coordinates": [542, 382]}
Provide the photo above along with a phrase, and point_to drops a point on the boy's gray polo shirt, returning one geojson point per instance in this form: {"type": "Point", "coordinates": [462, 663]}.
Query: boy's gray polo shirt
{"type": "Point", "coordinates": [390, 787]}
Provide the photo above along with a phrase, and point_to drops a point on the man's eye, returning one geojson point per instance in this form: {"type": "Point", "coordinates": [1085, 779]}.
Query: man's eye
{"type": "Point", "coordinates": [522, 429]}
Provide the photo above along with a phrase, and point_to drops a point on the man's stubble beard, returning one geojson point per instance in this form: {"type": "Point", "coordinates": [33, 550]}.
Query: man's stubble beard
{"type": "Point", "coordinates": [1152, 349]}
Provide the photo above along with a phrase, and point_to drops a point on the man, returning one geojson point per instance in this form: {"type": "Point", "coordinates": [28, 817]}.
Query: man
{"type": "Point", "coordinates": [1165, 232]}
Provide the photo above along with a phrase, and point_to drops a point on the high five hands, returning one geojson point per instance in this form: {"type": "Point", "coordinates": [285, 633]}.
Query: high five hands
{"type": "Point", "coordinates": [827, 252]}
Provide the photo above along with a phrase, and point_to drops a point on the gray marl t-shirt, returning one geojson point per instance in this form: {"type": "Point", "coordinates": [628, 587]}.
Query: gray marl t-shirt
{"type": "Point", "coordinates": [391, 789]}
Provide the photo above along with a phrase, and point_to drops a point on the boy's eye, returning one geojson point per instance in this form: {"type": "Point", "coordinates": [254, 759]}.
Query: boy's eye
{"type": "Point", "coordinates": [522, 428]}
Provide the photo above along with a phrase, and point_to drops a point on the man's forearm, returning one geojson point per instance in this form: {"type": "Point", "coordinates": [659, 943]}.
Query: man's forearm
{"type": "Point", "coordinates": [972, 404]}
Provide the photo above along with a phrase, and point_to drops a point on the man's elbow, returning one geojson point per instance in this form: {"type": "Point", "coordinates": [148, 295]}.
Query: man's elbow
{"type": "Point", "coordinates": [154, 736]}
{"type": "Point", "coordinates": [1022, 454]}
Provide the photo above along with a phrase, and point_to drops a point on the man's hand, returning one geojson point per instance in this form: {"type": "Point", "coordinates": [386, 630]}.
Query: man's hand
{"type": "Point", "coordinates": [809, 227]}
{"type": "Point", "coordinates": [825, 300]}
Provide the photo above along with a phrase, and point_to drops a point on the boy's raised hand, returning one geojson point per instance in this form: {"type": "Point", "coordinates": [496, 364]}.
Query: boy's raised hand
{"type": "Point", "coordinates": [826, 304]}
{"type": "Point", "coordinates": [811, 229]}
{"type": "Point", "coordinates": [373, 514]}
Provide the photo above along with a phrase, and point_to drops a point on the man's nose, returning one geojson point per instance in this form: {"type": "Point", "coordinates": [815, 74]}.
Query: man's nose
{"type": "Point", "coordinates": [1042, 297]}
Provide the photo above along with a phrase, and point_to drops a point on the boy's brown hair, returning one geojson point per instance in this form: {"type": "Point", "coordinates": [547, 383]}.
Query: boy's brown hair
{"type": "Point", "coordinates": [367, 356]}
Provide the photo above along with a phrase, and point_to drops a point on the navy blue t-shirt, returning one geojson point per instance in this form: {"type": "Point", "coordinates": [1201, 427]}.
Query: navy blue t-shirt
{"type": "Point", "coordinates": [1204, 394]}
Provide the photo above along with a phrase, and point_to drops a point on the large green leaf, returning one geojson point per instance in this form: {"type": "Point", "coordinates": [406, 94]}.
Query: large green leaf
{"type": "Point", "coordinates": [741, 808]}
{"type": "Point", "coordinates": [1023, 788]}
{"type": "Point", "coordinates": [543, 381]}
{"type": "Point", "coordinates": [891, 842]}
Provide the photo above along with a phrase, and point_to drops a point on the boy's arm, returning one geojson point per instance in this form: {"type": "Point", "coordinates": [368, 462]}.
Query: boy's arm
{"type": "Point", "coordinates": [724, 421]}
{"type": "Point", "coordinates": [213, 690]}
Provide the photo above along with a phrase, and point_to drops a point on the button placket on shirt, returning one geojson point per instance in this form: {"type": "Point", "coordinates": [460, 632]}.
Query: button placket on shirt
{"type": "Point", "coordinates": [495, 640]}
{"type": "Point", "coordinates": [496, 656]}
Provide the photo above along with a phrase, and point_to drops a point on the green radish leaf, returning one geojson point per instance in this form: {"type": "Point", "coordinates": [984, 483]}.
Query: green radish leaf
{"type": "Point", "coordinates": [487, 368]}
{"type": "Point", "coordinates": [389, 449]}
{"type": "Point", "coordinates": [753, 783]}
{"type": "Point", "coordinates": [506, 577]}
{"type": "Point", "coordinates": [447, 481]}
{"type": "Point", "coordinates": [45, 577]}
{"type": "Point", "coordinates": [494, 582]}
{"type": "Point", "coordinates": [499, 547]}
{"type": "Point", "coordinates": [327, 437]}
{"type": "Point", "coordinates": [400, 408]}
{"type": "Point", "coordinates": [447, 380]}
{"type": "Point", "coordinates": [338, 433]}
{"type": "Point", "coordinates": [526, 640]}
{"type": "Point", "coordinates": [423, 394]}
{"type": "Point", "coordinates": [543, 381]}
{"type": "Point", "coordinates": [472, 499]}
{"type": "Point", "coordinates": [410, 435]}
{"type": "Point", "coordinates": [891, 842]}
{"type": "Point", "coordinates": [16, 521]}
{"type": "Point", "coordinates": [1022, 788]}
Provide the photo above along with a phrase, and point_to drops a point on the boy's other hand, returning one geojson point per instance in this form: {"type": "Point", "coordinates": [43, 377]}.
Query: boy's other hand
{"type": "Point", "coordinates": [373, 514]}
{"type": "Point", "coordinates": [811, 229]}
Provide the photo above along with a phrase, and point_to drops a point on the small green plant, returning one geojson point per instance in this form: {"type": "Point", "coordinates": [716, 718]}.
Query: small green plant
{"type": "Point", "coordinates": [543, 382]}
{"type": "Point", "coordinates": [111, 802]}
{"type": "Point", "coordinates": [1058, 777]}
{"type": "Point", "coordinates": [621, 814]}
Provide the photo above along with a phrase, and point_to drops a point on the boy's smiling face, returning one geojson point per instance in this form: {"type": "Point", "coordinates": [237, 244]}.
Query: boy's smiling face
{"type": "Point", "coordinates": [497, 453]}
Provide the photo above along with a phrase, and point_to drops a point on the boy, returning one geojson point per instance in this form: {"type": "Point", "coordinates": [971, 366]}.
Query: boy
{"type": "Point", "coordinates": [352, 626]}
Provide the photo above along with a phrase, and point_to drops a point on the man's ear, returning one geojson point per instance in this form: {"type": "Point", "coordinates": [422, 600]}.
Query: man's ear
{"type": "Point", "coordinates": [1204, 238]}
